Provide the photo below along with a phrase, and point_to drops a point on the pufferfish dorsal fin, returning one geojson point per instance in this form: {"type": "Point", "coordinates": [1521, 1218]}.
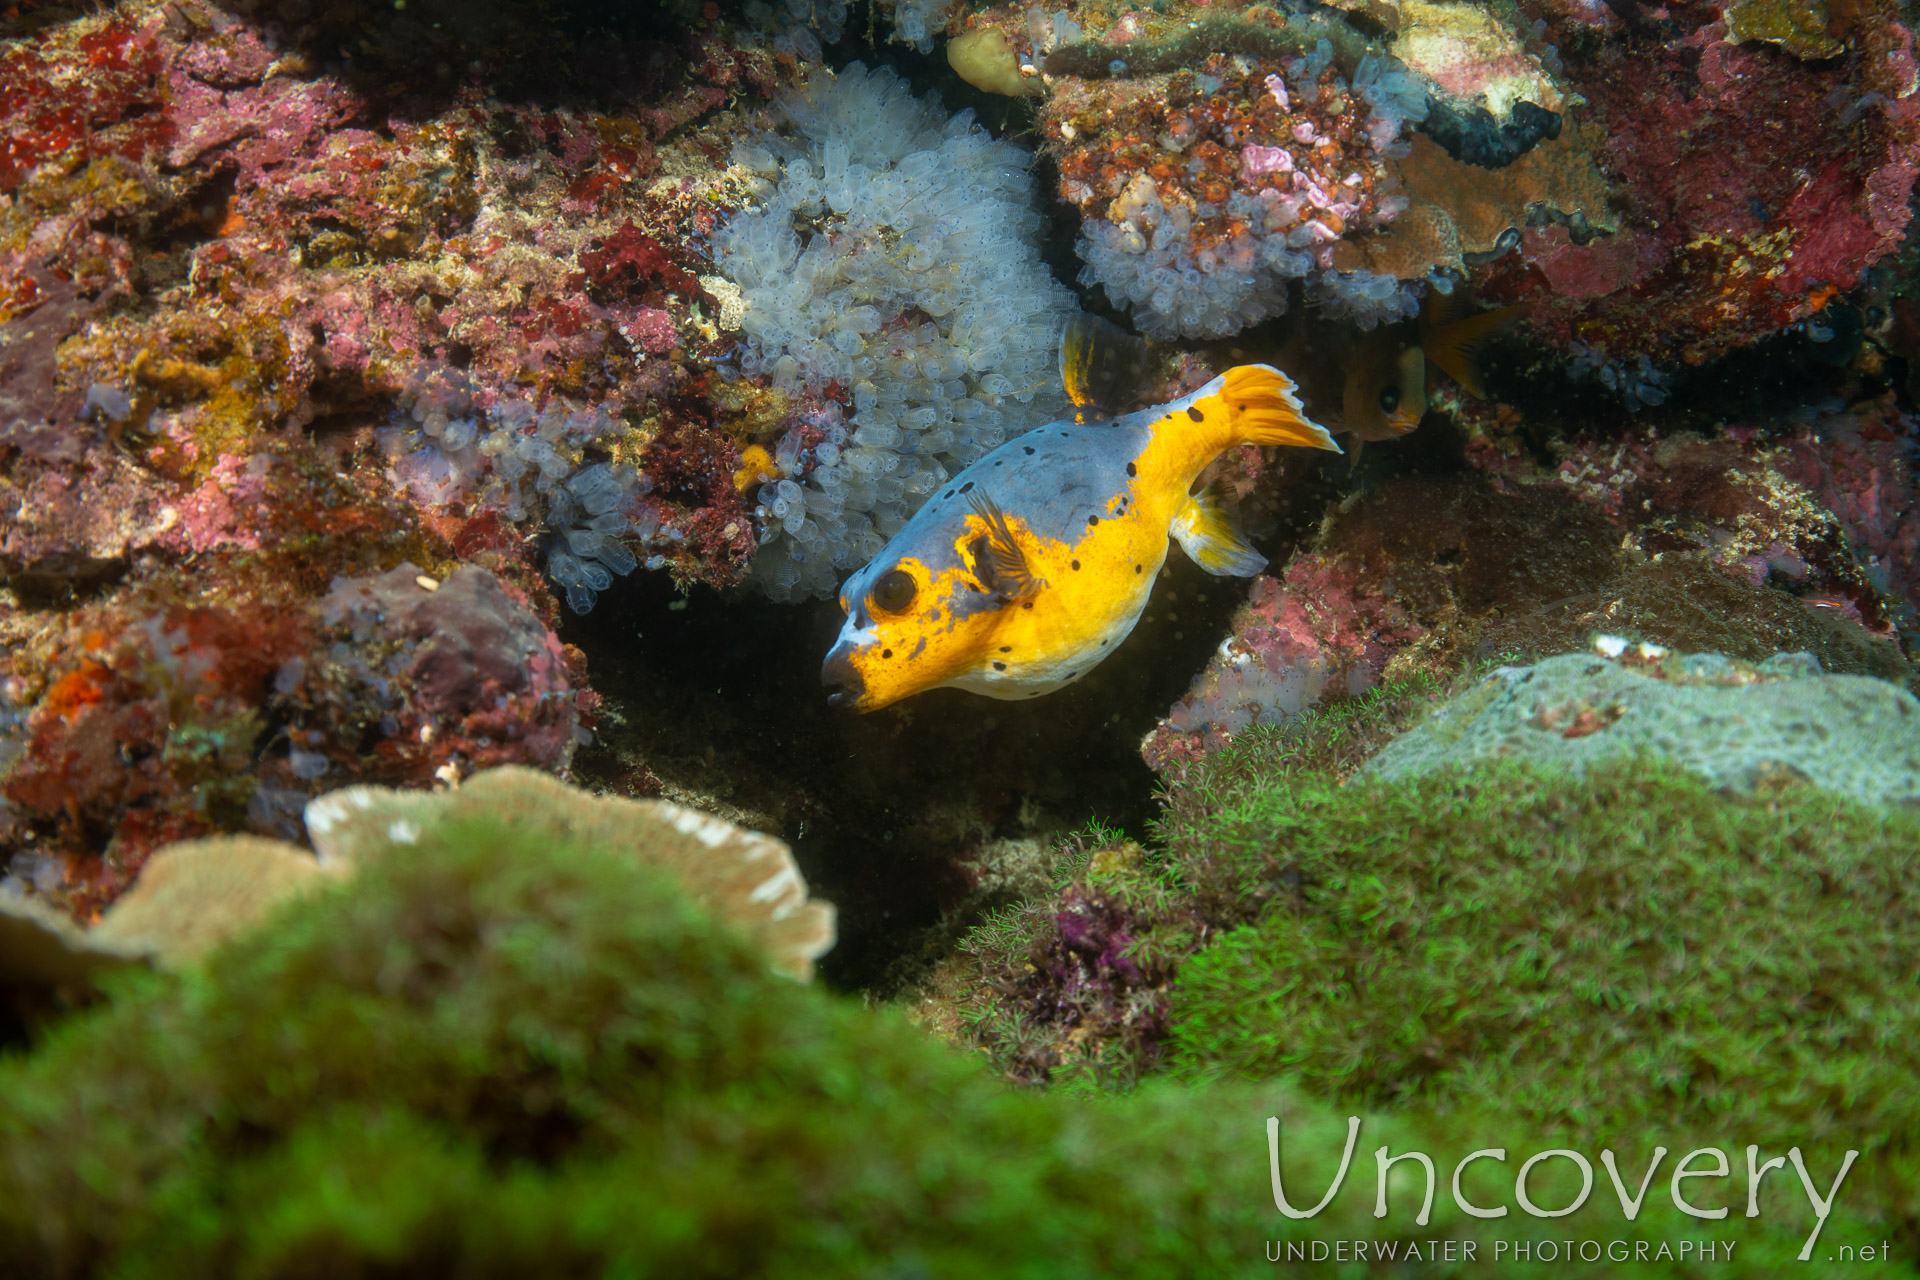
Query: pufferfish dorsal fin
{"type": "Point", "coordinates": [1206, 533]}
{"type": "Point", "coordinates": [1103, 368]}
{"type": "Point", "coordinates": [1003, 570]}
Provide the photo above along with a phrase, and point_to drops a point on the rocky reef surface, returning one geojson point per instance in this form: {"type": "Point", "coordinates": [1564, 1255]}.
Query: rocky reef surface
{"type": "Point", "coordinates": [425, 407]}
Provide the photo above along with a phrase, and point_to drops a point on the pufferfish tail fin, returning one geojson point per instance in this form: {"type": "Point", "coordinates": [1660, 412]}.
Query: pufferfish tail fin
{"type": "Point", "coordinates": [1260, 403]}
{"type": "Point", "coordinates": [1207, 534]}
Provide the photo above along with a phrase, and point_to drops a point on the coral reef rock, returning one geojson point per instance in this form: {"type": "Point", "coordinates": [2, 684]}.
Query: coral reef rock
{"type": "Point", "coordinates": [1753, 186]}
{"type": "Point", "coordinates": [1740, 726]}
{"type": "Point", "coordinates": [142, 722]}
{"type": "Point", "coordinates": [1207, 190]}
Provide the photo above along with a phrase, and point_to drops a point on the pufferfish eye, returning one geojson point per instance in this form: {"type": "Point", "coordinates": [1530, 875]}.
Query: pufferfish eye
{"type": "Point", "coordinates": [894, 591]}
{"type": "Point", "coordinates": [1390, 398]}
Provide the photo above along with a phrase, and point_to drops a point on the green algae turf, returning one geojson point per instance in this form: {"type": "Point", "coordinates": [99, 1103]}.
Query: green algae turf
{"type": "Point", "coordinates": [1683, 950]}
{"type": "Point", "coordinates": [1047, 1015]}
{"type": "Point", "coordinates": [502, 1056]}
{"type": "Point", "coordinates": [1617, 961]}
{"type": "Point", "coordinates": [1628, 955]}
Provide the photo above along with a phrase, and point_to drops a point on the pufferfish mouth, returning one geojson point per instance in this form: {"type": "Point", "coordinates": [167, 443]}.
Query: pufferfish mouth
{"type": "Point", "coordinates": [845, 686]}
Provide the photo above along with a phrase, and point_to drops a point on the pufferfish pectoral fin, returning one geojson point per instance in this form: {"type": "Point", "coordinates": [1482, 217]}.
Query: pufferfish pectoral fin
{"type": "Point", "coordinates": [1003, 569]}
{"type": "Point", "coordinates": [1206, 533]}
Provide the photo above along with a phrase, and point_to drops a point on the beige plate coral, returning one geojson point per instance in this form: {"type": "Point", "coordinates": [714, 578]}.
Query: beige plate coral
{"type": "Point", "coordinates": [745, 876]}
{"type": "Point", "coordinates": [193, 895]}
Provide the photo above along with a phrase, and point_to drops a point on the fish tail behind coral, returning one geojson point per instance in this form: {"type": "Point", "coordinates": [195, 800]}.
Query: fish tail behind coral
{"type": "Point", "coordinates": [1263, 408]}
{"type": "Point", "coordinates": [1454, 343]}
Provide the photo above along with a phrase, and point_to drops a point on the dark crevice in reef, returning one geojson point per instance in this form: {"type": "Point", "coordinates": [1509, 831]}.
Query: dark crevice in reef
{"type": "Point", "coordinates": [601, 54]}
{"type": "Point", "coordinates": [1765, 380]}
{"type": "Point", "coordinates": [900, 818]}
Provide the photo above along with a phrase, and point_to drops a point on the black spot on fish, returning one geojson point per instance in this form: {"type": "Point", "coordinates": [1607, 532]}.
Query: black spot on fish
{"type": "Point", "coordinates": [1195, 414]}
{"type": "Point", "coordinates": [1076, 564]}
{"type": "Point", "coordinates": [1136, 568]}
{"type": "Point", "coordinates": [886, 653]}
{"type": "Point", "coordinates": [1092, 521]}
{"type": "Point", "coordinates": [1066, 435]}
{"type": "Point", "coordinates": [999, 665]}
{"type": "Point", "coordinates": [1132, 470]}
{"type": "Point", "coordinates": [947, 494]}
{"type": "Point", "coordinates": [1000, 462]}
{"type": "Point", "coordinates": [1243, 408]}
{"type": "Point", "coordinates": [965, 487]}
{"type": "Point", "coordinates": [1028, 448]}
{"type": "Point", "coordinates": [1027, 605]}
{"type": "Point", "coordinates": [1006, 648]}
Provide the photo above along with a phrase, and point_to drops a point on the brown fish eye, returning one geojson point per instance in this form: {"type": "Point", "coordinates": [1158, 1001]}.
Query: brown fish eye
{"type": "Point", "coordinates": [894, 591]}
{"type": "Point", "coordinates": [1390, 399]}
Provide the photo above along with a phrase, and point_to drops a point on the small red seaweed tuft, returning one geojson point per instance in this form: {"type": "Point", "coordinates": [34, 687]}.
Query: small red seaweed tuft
{"type": "Point", "coordinates": [100, 97]}
{"type": "Point", "coordinates": [629, 261]}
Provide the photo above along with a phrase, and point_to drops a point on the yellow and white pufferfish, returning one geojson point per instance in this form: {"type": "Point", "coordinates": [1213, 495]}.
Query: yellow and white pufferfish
{"type": "Point", "coordinates": [1034, 563]}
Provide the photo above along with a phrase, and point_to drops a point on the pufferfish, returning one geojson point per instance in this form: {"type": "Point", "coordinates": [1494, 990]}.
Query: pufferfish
{"type": "Point", "coordinates": [1033, 564]}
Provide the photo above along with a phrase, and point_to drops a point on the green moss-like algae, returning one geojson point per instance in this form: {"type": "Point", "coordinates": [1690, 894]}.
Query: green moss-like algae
{"type": "Point", "coordinates": [1600, 951]}
{"type": "Point", "coordinates": [1617, 960]}
{"type": "Point", "coordinates": [510, 1056]}
{"type": "Point", "coordinates": [1629, 953]}
{"type": "Point", "coordinates": [1071, 988]}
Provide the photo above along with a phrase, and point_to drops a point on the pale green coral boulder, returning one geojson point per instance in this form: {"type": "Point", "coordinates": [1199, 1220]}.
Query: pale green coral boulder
{"type": "Point", "coordinates": [1735, 724]}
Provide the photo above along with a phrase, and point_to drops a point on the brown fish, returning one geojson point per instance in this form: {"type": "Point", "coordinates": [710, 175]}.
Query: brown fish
{"type": "Point", "coordinates": [1372, 384]}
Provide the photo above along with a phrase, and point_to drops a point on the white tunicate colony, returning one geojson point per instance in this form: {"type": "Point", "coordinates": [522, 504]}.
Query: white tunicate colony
{"type": "Point", "coordinates": [104, 400]}
{"type": "Point", "coordinates": [895, 255]}
{"type": "Point", "coordinates": [1639, 386]}
{"type": "Point", "coordinates": [528, 464]}
{"type": "Point", "coordinates": [799, 27]}
{"type": "Point", "coordinates": [1365, 298]}
{"type": "Point", "coordinates": [1247, 692]}
{"type": "Point", "coordinates": [915, 21]}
